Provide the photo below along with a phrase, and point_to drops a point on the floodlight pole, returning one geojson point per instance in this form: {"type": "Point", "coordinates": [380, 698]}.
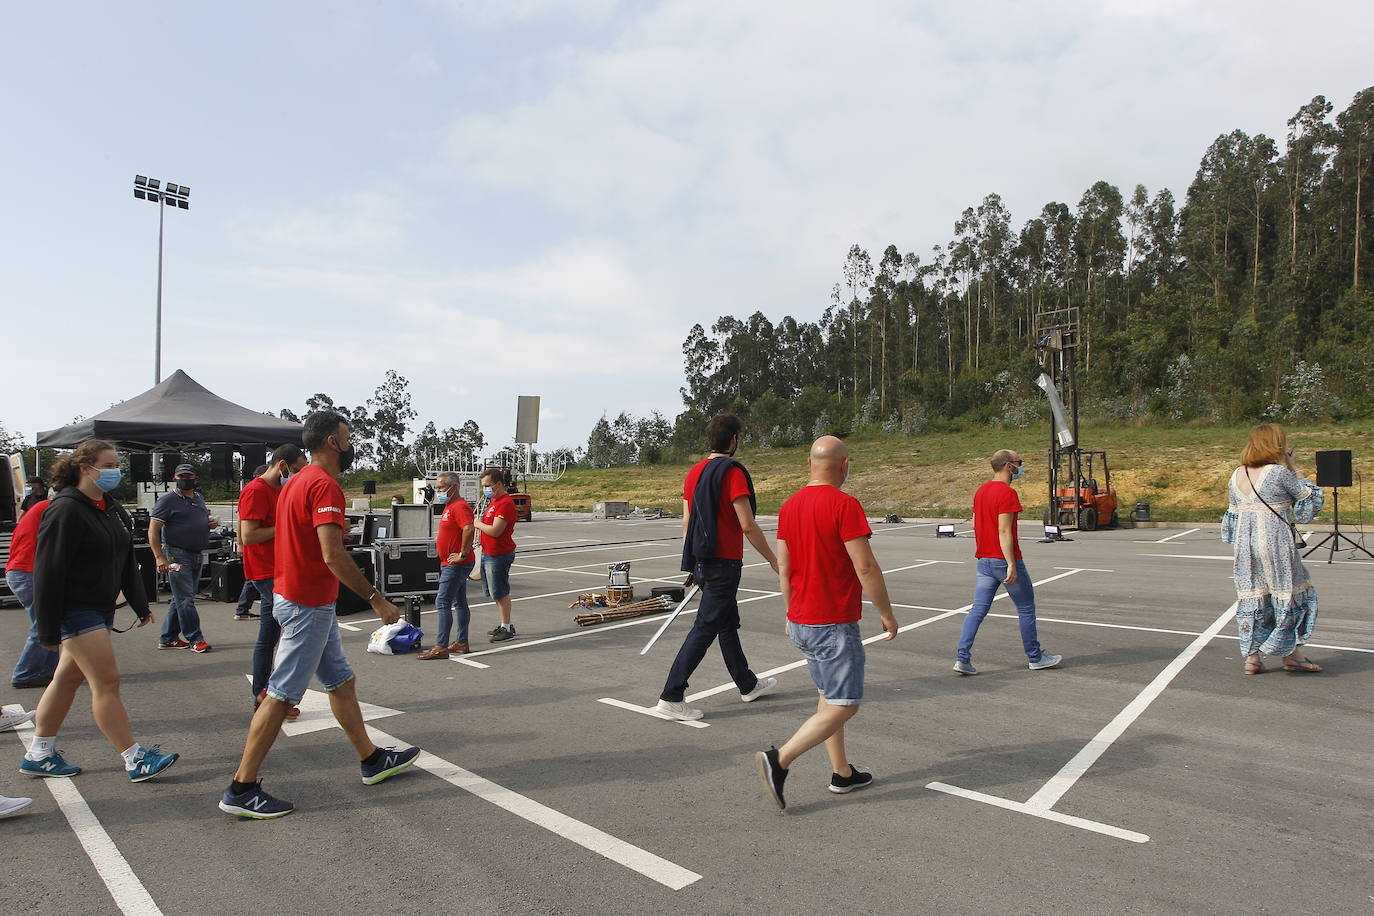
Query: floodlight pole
{"type": "Point", "coordinates": [157, 355]}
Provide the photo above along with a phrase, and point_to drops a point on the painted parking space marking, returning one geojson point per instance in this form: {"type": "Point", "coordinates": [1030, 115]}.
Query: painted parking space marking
{"type": "Point", "coordinates": [656, 868]}
{"type": "Point", "coordinates": [1054, 789]}
{"type": "Point", "coordinates": [114, 870]}
{"type": "Point", "coordinates": [1171, 537]}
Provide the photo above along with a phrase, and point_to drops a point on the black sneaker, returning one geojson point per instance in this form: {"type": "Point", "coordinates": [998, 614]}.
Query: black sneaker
{"type": "Point", "coordinates": [766, 762]}
{"type": "Point", "coordinates": [857, 779]}
{"type": "Point", "coordinates": [389, 764]}
{"type": "Point", "coordinates": [501, 634]}
{"type": "Point", "coordinates": [255, 803]}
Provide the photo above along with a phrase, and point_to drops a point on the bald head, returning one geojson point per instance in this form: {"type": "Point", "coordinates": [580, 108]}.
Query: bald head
{"type": "Point", "coordinates": [829, 460]}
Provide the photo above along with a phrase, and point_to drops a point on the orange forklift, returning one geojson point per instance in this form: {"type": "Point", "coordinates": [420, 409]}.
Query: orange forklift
{"type": "Point", "coordinates": [1089, 503]}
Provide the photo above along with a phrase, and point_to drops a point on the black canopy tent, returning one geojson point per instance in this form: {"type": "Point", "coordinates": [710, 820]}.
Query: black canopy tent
{"type": "Point", "coordinates": [179, 414]}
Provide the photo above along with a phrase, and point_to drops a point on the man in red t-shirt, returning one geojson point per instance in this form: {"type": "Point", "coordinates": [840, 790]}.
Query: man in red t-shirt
{"type": "Point", "coordinates": [497, 528]}
{"type": "Point", "coordinates": [717, 515]}
{"type": "Point", "coordinates": [825, 565]}
{"type": "Point", "coordinates": [998, 553]}
{"type": "Point", "coordinates": [257, 532]}
{"type": "Point", "coordinates": [454, 543]}
{"type": "Point", "coordinates": [36, 664]}
{"type": "Point", "coordinates": [309, 563]}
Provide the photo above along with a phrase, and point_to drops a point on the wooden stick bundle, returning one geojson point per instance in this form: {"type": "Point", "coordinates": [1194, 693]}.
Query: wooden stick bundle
{"type": "Point", "coordinates": [638, 609]}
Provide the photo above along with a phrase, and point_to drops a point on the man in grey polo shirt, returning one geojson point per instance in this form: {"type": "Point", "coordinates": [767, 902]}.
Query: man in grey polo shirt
{"type": "Point", "coordinates": [183, 521]}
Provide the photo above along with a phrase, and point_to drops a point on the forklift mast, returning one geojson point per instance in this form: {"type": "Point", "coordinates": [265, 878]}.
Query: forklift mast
{"type": "Point", "coordinates": [1056, 340]}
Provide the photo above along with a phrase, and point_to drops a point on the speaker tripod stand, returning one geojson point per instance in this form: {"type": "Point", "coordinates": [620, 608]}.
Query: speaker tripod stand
{"type": "Point", "coordinates": [1334, 536]}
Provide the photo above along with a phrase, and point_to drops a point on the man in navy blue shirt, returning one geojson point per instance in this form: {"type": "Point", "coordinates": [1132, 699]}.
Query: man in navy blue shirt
{"type": "Point", "coordinates": [183, 521]}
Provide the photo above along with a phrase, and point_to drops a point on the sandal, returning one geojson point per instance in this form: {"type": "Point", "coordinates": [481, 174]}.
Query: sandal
{"type": "Point", "coordinates": [433, 653]}
{"type": "Point", "coordinates": [1255, 667]}
{"type": "Point", "coordinates": [1300, 664]}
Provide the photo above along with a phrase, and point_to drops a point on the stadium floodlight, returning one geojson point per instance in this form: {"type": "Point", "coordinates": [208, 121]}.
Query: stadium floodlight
{"type": "Point", "coordinates": [177, 197]}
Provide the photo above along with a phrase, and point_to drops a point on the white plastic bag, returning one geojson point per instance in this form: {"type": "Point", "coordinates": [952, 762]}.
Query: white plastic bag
{"type": "Point", "coordinates": [380, 641]}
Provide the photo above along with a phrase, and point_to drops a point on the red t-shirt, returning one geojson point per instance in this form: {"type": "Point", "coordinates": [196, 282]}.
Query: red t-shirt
{"type": "Point", "coordinates": [993, 499]}
{"type": "Point", "coordinates": [500, 507]}
{"type": "Point", "coordinates": [258, 502]}
{"type": "Point", "coordinates": [24, 539]}
{"type": "Point", "coordinates": [729, 534]}
{"type": "Point", "coordinates": [310, 499]}
{"type": "Point", "coordinates": [457, 516]}
{"type": "Point", "coordinates": [815, 522]}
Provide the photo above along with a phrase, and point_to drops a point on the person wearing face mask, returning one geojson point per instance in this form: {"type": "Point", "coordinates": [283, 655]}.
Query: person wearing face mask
{"type": "Point", "coordinates": [998, 553]}
{"type": "Point", "coordinates": [182, 519]}
{"type": "Point", "coordinates": [257, 530]}
{"type": "Point", "coordinates": [85, 558]}
{"type": "Point", "coordinates": [456, 560]}
{"type": "Point", "coordinates": [309, 565]}
{"type": "Point", "coordinates": [498, 548]}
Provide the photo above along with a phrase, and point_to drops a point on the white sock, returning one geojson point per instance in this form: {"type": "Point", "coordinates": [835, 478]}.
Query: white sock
{"type": "Point", "coordinates": [131, 755]}
{"type": "Point", "coordinates": [41, 748]}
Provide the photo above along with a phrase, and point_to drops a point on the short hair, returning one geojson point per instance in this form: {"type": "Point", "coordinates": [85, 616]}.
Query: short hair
{"type": "Point", "coordinates": [446, 475]}
{"type": "Point", "coordinates": [494, 474]}
{"type": "Point", "coordinates": [1000, 458]}
{"type": "Point", "coordinates": [288, 453]}
{"type": "Point", "coordinates": [1267, 445]}
{"type": "Point", "coordinates": [720, 430]}
{"type": "Point", "coordinates": [260, 470]}
{"type": "Point", "coordinates": [33, 480]}
{"type": "Point", "coordinates": [320, 425]}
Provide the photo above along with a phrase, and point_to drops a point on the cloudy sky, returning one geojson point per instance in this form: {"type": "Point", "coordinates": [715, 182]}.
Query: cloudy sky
{"type": "Point", "coordinates": [542, 196]}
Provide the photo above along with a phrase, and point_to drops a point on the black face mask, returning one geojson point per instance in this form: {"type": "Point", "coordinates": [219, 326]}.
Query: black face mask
{"type": "Point", "coordinates": [186, 484]}
{"type": "Point", "coordinates": [346, 460]}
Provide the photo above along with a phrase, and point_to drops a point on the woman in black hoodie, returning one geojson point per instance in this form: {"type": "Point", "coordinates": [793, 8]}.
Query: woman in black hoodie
{"type": "Point", "coordinates": [84, 559]}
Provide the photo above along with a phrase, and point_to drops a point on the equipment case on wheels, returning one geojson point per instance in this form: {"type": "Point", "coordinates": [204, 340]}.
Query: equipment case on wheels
{"type": "Point", "coordinates": [407, 566]}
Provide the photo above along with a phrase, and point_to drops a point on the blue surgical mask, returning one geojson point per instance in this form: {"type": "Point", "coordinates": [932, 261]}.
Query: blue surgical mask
{"type": "Point", "coordinates": [440, 498]}
{"type": "Point", "coordinates": [109, 479]}
{"type": "Point", "coordinates": [1019, 469]}
{"type": "Point", "coordinates": [488, 492]}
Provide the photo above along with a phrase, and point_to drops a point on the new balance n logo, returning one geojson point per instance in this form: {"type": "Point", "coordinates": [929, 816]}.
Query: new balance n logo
{"type": "Point", "coordinates": [257, 803]}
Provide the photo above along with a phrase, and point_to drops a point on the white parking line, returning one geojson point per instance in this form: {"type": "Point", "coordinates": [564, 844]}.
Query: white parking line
{"type": "Point", "coordinates": [654, 867]}
{"type": "Point", "coordinates": [650, 711]}
{"type": "Point", "coordinates": [128, 892]}
{"type": "Point", "coordinates": [1190, 556]}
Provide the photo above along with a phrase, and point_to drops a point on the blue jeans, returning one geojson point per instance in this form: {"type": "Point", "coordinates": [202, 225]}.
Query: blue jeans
{"type": "Point", "coordinates": [182, 617]}
{"type": "Point", "coordinates": [717, 621]}
{"type": "Point", "coordinates": [269, 631]}
{"type": "Point", "coordinates": [36, 664]}
{"type": "Point", "coordinates": [453, 596]}
{"type": "Point", "coordinates": [835, 657]}
{"type": "Point", "coordinates": [991, 574]}
{"type": "Point", "coordinates": [496, 574]}
{"type": "Point", "coordinates": [309, 645]}
{"type": "Point", "coordinates": [248, 594]}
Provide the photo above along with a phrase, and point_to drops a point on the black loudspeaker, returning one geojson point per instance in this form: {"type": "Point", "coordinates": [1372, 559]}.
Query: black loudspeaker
{"type": "Point", "coordinates": [251, 462]}
{"type": "Point", "coordinates": [369, 488]}
{"type": "Point", "coordinates": [147, 570]}
{"type": "Point", "coordinates": [167, 465]}
{"type": "Point", "coordinates": [141, 467]}
{"type": "Point", "coordinates": [222, 463]}
{"type": "Point", "coordinates": [1334, 469]}
{"type": "Point", "coordinates": [349, 603]}
{"type": "Point", "coordinates": [226, 580]}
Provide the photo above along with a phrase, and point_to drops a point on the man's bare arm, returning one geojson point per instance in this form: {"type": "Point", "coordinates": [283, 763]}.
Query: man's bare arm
{"type": "Point", "coordinates": [871, 578]}
{"type": "Point", "coordinates": [752, 531]}
{"type": "Point", "coordinates": [1006, 535]}
{"type": "Point", "coordinates": [347, 572]}
{"type": "Point", "coordinates": [252, 531]}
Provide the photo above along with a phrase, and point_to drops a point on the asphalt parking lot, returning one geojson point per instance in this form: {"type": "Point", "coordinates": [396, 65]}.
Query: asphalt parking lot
{"type": "Point", "coordinates": [1145, 775]}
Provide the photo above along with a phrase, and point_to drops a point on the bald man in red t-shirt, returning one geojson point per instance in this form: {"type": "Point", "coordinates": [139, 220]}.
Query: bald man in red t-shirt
{"type": "Point", "coordinates": [825, 566]}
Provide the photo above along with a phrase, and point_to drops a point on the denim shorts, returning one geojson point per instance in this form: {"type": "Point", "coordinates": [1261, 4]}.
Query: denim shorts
{"type": "Point", "coordinates": [77, 623]}
{"type": "Point", "coordinates": [496, 574]}
{"type": "Point", "coordinates": [835, 657]}
{"type": "Point", "coordinates": [309, 645]}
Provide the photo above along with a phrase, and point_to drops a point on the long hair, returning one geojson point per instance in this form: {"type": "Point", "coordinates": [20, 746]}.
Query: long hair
{"type": "Point", "coordinates": [1268, 445]}
{"type": "Point", "coordinates": [66, 471]}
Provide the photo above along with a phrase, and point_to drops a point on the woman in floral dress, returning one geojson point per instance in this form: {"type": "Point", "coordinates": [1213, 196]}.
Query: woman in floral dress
{"type": "Point", "coordinates": [1276, 605]}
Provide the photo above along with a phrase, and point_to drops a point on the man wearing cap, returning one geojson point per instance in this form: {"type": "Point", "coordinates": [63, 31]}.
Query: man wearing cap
{"type": "Point", "coordinates": [38, 491]}
{"type": "Point", "coordinates": [183, 521]}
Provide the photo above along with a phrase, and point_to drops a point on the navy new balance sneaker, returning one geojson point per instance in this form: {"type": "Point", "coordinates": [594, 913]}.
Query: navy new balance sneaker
{"type": "Point", "coordinates": [255, 803]}
{"type": "Point", "coordinates": [389, 762]}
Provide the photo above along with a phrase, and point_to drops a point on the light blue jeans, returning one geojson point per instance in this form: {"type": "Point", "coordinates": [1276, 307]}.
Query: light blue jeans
{"type": "Point", "coordinates": [309, 645]}
{"type": "Point", "coordinates": [183, 620]}
{"type": "Point", "coordinates": [453, 599]}
{"type": "Point", "coordinates": [991, 574]}
{"type": "Point", "coordinates": [36, 664]}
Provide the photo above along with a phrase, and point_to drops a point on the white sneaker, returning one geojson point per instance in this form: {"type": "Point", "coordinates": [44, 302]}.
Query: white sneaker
{"type": "Point", "coordinates": [1046, 661]}
{"type": "Point", "coordinates": [9, 720]}
{"type": "Point", "coordinates": [766, 685]}
{"type": "Point", "coordinates": [679, 711]}
{"type": "Point", "coordinates": [10, 806]}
